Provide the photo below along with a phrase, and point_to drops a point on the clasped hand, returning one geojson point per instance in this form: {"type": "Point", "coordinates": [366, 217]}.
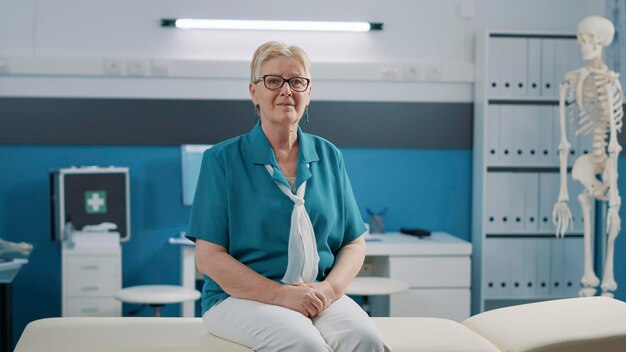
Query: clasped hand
{"type": "Point", "coordinates": [310, 299]}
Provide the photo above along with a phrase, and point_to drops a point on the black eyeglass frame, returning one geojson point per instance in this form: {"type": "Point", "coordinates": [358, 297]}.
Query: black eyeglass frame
{"type": "Point", "coordinates": [285, 80]}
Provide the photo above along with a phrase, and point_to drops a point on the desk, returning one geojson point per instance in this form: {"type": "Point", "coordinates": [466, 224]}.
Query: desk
{"type": "Point", "coordinates": [436, 268]}
{"type": "Point", "coordinates": [8, 270]}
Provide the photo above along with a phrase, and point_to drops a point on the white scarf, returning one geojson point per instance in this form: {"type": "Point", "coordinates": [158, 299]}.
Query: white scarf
{"type": "Point", "coordinates": [302, 256]}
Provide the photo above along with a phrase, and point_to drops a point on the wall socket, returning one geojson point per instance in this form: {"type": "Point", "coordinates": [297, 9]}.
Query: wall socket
{"type": "Point", "coordinates": [113, 67]}
{"type": "Point", "coordinates": [433, 73]}
{"type": "Point", "coordinates": [412, 72]}
{"type": "Point", "coordinates": [390, 74]}
{"type": "Point", "coordinates": [159, 68]}
{"type": "Point", "coordinates": [137, 68]}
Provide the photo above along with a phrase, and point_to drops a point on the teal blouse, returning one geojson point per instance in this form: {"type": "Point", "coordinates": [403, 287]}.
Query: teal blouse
{"type": "Point", "coordinates": [238, 205]}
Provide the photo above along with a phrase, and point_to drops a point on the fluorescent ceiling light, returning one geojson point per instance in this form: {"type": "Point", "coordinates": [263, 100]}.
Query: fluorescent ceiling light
{"type": "Point", "coordinates": [321, 26]}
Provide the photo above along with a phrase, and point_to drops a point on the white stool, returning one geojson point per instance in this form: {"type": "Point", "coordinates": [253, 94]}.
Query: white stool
{"type": "Point", "coordinates": [375, 286]}
{"type": "Point", "coordinates": [156, 296]}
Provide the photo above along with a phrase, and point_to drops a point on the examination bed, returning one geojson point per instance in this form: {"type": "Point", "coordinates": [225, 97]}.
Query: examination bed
{"type": "Point", "coordinates": [573, 325]}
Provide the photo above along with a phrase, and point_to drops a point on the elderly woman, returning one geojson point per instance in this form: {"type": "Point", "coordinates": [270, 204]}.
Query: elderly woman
{"type": "Point", "coordinates": [277, 229]}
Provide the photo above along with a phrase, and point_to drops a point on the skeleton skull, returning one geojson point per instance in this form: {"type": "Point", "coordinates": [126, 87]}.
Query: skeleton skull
{"type": "Point", "coordinates": [594, 33]}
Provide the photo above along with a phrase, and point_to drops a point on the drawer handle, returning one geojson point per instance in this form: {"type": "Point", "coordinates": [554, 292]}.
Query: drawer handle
{"type": "Point", "coordinates": [90, 288]}
{"type": "Point", "coordinates": [89, 310]}
{"type": "Point", "coordinates": [90, 267]}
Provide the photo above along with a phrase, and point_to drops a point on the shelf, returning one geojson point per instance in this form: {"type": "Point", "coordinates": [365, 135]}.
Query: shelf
{"type": "Point", "coordinates": [541, 169]}
{"type": "Point", "coordinates": [516, 169]}
{"type": "Point", "coordinates": [532, 35]}
{"type": "Point", "coordinates": [523, 101]}
{"type": "Point", "coordinates": [532, 235]}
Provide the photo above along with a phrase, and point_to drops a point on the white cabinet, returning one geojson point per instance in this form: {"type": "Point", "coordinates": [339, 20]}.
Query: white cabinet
{"type": "Point", "coordinates": [516, 256]}
{"type": "Point", "coordinates": [91, 276]}
{"type": "Point", "coordinates": [436, 268]}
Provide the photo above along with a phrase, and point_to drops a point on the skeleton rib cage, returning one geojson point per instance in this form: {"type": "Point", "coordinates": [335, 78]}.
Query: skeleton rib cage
{"type": "Point", "coordinates": [587, 110]}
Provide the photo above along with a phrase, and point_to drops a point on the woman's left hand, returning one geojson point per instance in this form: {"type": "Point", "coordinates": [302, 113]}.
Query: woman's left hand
{"type": "Point", "coordinates": [324, 291]}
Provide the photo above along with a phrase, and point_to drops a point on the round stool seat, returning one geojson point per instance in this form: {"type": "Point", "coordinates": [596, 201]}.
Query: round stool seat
{"type": "Point", "coordinates": [157, 294]}
{"type": "Point", "coordinates": [375, 286]}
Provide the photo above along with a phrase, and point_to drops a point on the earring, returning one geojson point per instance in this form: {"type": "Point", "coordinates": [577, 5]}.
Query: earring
{"type": "Point", "coordinates": [255, 114]}
{"type": "Point", "coordinates": [306, 115]}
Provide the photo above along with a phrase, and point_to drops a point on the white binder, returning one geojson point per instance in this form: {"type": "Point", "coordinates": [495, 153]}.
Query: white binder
{"type": "Point", "coordinates": [518, 263]}
{"type": "Point", "coordinates": [507, 130]}
{"type": "Point", "coordinates": [520, 135]}
{"type": "Point", "coordinates": [546, 144]}
{"type": "Point", "coordinates": [548, 195]}
{"type": "Point", "coordinates": [510, 203]}
{"type": "Point", "coordinates": [519, 66]}
{"type": "Point", "coordinates": [553, 115]}
{"type": "Point", "coordinates": [532, 134]}
{"type": "Point", "coordinates": [527, 285]}
{"type": "Point", "coordinates": [548, 88]}
{"type": "Point", "coordinates": [575, 55]}
{"type": "Point", "coordinates": [562, 59]}
{"type": "Point", "coordinates": [533, 80]}
{"type": "Point", "coordinates": [493, 150]}
{"type": "Point", "coordinates": [493, 213]}
{"type": "Point", "coordinates": [542, 267]}
{"type": "Point", "coordinates": [505, 266]}
{"type": "Point", "coordinates": [573, 265]}
{"type": "Point", "coordinates": [503, 203]}
{"type": "Point", "coordinates": [556, 267]}
{"type": "Point", "coordinates": [516, 192]}
{"type": "Point", "coordinates": [497, 50]}
{"type": "Point", "coordinates": [507, 76]}
{"type": "Point", "coordinates": [490, 268]}
{"type": "Point", "coordinates": [531, 202]}
{"type": "Point", "coordinates": [498, 267]}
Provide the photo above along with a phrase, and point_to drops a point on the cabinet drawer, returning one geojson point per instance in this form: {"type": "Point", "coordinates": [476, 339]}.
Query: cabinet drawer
{"type": "Point", "coordinates": [91, 307]}
{"type": "Point", "coordinates": [436, 303]}
{"type": "Point", "coordinates": [92, 285]}
{"type": "Point", "coordinates": [431, 271]}
{"type": "Point", "coordinates": [91, 265]}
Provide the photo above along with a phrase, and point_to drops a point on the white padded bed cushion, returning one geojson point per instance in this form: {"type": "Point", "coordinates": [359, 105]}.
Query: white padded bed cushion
{"type": "Point", "coordinates": [189, 335]}
{"type": "Point", "coordinates": [566, 325]}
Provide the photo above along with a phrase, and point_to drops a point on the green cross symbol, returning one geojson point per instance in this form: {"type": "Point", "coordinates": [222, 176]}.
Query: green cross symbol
{"type": "Point", "coordinates": [96, 202]}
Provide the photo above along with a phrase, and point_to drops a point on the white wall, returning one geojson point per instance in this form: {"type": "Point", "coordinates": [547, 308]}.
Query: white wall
{"type": "Point", "coordinates": [351, 66]}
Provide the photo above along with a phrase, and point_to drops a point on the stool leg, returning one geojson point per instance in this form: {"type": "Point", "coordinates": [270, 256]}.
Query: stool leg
{"type": "Point", "coordinates": [156, 308]}
{"type": "Point", "coordinates": [366, 305]}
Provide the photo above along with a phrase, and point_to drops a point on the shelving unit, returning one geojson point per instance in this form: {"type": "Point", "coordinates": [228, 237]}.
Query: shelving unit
{"type": "Point", "coordinates": [516, 256]}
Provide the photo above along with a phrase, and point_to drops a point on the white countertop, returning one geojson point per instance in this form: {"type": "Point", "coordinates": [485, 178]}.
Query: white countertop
{"type": "Point", "coordinates": [398, 244]}
{"type": "Point", "coordinates": [395, 243]}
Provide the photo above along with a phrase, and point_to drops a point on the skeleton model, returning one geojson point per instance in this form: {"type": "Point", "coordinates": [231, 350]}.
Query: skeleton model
{"type": "Point", "coordinates": [594, 98]}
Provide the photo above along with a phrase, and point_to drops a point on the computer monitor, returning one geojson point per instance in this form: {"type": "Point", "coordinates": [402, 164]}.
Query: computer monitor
{"type": "Point", "coordinates": [191, 160]}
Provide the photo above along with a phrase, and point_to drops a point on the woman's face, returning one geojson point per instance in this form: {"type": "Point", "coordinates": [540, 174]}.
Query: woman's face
{"type": "Point", "coordinates": [283, 106]}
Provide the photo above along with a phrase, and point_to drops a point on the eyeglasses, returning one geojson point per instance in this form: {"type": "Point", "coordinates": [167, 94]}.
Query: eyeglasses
{"type": "Point", "coordinates": [272, 82]}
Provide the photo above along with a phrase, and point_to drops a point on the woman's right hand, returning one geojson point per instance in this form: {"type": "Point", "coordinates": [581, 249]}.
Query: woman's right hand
{"type": "Point", "coordinates": [302, 299]}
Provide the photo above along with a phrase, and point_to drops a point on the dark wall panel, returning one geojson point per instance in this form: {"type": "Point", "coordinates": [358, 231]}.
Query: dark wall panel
{"type": "Point", "coordinates": [75, 121]}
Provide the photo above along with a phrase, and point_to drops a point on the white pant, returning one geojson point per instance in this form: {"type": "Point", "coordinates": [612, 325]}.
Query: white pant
{"type": "Point", "coordinates": [343, 326]}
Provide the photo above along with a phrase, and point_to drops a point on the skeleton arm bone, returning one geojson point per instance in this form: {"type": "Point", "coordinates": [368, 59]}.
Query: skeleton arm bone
{"type": "Point", "coordinates": [561, 214]}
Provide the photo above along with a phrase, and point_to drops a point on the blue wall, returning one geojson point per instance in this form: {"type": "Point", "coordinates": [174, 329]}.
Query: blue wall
{"type": "Point", "coordinates": [428, 189]}
{"type": "Point", "coordinates": [421, 188]}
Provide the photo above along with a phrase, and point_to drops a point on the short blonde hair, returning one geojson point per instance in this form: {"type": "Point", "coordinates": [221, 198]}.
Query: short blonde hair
{"type": "Point", "coordinates": [271, 50]}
